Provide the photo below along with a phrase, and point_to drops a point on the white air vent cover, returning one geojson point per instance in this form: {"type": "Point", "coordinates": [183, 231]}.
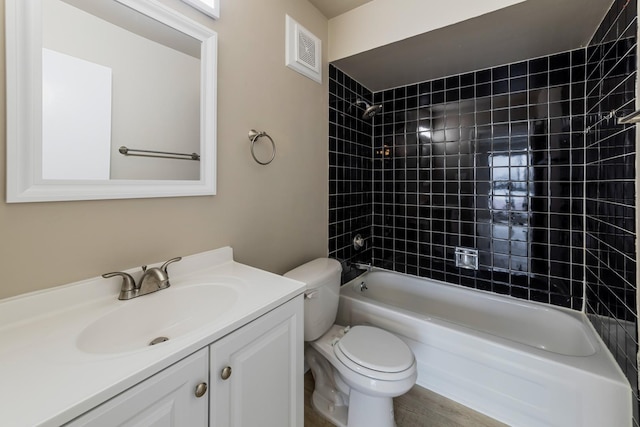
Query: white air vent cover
{"type": "Point", "coordinates": [303, 51]}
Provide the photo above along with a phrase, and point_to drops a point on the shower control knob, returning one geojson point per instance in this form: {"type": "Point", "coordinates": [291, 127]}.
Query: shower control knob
{"type": "Point", "coordinates": [226, 373]}
{"type": "Point", "coordinates": [201, 389]}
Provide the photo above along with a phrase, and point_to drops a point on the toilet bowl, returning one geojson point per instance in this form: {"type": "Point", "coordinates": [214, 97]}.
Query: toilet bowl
{"type": "Point", "coordinates": [355, 386]}
{"type": "Point", "coordinates": [357, 370]}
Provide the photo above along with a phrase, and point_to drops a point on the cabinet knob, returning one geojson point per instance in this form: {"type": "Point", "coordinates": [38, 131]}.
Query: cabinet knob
{"type": "Point", "coordinates": [226, 373]}
{"type": "Point", "coordinates": [201, 389]}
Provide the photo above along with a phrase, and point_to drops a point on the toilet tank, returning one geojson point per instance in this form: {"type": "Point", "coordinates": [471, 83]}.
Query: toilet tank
{"type": "Point", "coordinates": [322, 277]}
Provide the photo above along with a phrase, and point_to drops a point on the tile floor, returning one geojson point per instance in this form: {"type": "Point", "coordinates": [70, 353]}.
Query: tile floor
{"type": "Point", "coordinates": [418, 408]}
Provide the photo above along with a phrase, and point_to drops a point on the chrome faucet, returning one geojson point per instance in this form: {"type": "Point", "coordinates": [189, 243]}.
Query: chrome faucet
{"type": "Point", "coordinates": [153, 279]}
{"type": "Point", "coordinates": [362, 266]}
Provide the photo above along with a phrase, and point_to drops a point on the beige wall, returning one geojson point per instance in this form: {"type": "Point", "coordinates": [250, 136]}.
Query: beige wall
{"type": "Point", "coordinates": [274, 217]}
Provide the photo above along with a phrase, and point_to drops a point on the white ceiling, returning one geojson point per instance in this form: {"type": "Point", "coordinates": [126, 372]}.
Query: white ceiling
{"type": "Point", "coordinates": [332, 8]}
{"type": "Point", "coordinates": [526, 30]}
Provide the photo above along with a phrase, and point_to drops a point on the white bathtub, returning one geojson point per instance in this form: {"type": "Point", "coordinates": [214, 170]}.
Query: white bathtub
{"type": "Point", "coordinates": [522, 363]}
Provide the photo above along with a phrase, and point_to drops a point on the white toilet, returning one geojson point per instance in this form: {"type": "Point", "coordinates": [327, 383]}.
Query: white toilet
{"type": "Point", "coordinates": [357, 370]}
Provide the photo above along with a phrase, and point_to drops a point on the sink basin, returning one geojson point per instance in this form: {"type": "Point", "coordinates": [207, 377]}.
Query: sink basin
{"type": "Point", "coordinates": [167, 314]}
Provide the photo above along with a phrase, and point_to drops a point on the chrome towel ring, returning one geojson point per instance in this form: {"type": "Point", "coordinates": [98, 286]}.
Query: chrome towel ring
{"type": "Point", "coordinates": [254, 135]}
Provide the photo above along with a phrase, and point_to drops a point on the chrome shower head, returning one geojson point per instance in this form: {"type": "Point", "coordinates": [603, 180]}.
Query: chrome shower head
{"type": "Point", "coordinates": [369, 110]}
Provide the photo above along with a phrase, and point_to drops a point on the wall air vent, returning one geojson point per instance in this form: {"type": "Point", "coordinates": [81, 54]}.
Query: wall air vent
{"type": "Point", "coordinates": [303, 51]}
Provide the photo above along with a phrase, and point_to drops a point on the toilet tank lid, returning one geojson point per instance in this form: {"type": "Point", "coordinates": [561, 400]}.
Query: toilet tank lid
{"type": "Point", "coordinates": [316, 272]}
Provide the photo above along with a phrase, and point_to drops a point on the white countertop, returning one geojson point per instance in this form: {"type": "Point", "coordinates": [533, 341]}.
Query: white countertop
{"type": "Point", "coordinates": [46, 380]}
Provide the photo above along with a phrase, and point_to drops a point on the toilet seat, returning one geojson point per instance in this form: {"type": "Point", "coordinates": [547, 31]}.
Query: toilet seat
{"type": "Point", "coordinates": [375, 353]}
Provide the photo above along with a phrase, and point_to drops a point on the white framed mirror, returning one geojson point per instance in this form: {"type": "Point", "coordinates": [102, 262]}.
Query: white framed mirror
{"type": "Point", "coordinates": [85, 79]}
{"type": "Point", "coordinates": [209, 7]}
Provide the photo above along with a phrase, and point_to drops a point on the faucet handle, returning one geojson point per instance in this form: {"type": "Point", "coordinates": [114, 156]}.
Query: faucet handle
{"type": "Point", "coordinates": [128, 289]}
{"type": "Point", "coordinates": [172, 260]}
{"type": "Point", "coordinates": [165, 284]}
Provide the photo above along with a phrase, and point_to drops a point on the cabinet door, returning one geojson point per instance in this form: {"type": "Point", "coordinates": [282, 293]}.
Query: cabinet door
{"type": "Point", "coordinates": [167, 399]}
{"type": "Point", "coordinates": [265, 385]}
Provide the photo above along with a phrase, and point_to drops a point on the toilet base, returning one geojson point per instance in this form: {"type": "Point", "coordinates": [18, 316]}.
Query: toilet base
{"type": "Point", "coordinates": [363, 410]}
{"type": "Point", "coordinates": [367, 411]}
{"type": "Point", "coordinates": [337, 414]}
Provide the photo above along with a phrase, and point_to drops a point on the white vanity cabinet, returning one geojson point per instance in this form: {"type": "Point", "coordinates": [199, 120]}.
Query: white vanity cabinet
{"type": "Point", "coordinates": [256, 372]}
{"type": "Point", "coordinates": [168, 398]}
{"type": "Point", "coordinates": [89, 352]}
{"type": "Point", "coordinates": [253, 377]}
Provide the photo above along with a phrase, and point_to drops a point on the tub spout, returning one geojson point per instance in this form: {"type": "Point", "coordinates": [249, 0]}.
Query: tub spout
{"type": "Point", "coordinates": [362, 266]}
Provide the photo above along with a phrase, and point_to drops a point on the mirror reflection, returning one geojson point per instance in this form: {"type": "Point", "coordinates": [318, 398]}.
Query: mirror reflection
{"type": "Point", "coordinates": [85, 79]}
{"type": "Point", "coordinates": [128, 80]}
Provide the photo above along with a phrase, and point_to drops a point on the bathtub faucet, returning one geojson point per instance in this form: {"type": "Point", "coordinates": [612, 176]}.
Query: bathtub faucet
{"type": "Point", "coordinates": [361, 266]}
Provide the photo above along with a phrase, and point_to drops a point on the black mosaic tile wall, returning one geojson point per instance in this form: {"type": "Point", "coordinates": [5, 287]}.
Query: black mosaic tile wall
{"type": "Point", "coordinates": [350, 160]}
{"type": "Point", "coordinates": [610, 230]}
{"type": "Point", "coordinates": [524, 162]}
{"type": "Point", "coordinates": [490, 160]}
